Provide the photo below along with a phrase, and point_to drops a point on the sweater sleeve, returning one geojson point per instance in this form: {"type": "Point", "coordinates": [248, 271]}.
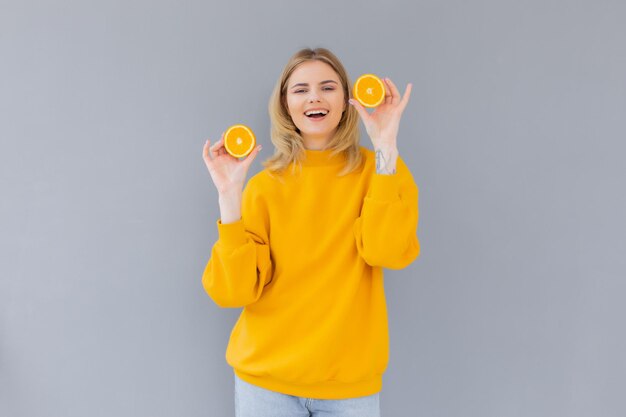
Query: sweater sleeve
{"type": "Point", "coordinates": [386, 230]}
{"type": "Point", "coordinates": [240, 265]}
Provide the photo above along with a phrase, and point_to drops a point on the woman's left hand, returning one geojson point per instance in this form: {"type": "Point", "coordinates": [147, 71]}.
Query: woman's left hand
{"type": "Point", "coordinates": [383, 123]}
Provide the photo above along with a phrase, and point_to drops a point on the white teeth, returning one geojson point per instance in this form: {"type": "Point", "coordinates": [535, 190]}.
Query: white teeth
{"type": "Point", "coordinates": [324, 112]}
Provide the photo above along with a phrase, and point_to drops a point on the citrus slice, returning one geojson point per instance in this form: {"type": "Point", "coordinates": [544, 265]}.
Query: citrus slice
{"type": "Point", "coordinates": [369, 90]}
{"type": "Point", "coordinates": [239, 140]}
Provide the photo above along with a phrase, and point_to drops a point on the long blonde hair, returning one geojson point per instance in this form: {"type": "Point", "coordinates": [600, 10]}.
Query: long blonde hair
{"type": "Point", "coordinates": [288, 143]}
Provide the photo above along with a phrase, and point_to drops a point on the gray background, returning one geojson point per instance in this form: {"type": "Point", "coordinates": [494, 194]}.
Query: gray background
{"type": "Point", "coordinates": [514, 134]}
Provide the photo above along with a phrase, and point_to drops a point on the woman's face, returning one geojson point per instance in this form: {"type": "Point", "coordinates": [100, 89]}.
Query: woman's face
{"type": "Point", "coordinates": [315, 85]}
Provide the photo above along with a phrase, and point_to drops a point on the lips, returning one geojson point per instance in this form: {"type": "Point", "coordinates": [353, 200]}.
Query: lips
{"type": "Point", "coordinates": [316, 109]}
{"type": "Point", "coordinates": [316, 117]}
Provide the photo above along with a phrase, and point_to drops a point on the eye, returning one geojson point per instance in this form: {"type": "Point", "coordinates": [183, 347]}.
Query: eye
{"type": "Point", "coordinates": [325, 89]}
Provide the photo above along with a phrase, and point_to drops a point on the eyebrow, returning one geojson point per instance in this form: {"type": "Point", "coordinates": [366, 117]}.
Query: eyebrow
{"type": "Point", "coordinates": [306, 84]}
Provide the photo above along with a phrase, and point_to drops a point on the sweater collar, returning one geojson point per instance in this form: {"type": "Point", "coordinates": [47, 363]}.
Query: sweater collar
{"type": "Point", "coordinates": [321, 158]}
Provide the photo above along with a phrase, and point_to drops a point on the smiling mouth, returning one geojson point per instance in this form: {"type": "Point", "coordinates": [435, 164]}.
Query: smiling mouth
{"type": "Point", "coordinates": [317, 116]}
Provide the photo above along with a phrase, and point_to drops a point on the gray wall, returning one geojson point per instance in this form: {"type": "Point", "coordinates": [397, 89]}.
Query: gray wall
{"type": "Point", "coordinates": [514, 133]}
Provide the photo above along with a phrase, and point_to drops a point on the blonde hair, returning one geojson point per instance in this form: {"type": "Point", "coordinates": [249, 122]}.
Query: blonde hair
{"type": "Point", "coordinates": [288, 143]}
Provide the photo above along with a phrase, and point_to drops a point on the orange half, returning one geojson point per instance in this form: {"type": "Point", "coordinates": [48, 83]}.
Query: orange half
{"type": "Point", "coordinates": [239, 140]}
{"type": "Point", "coordinates": [369, 90]}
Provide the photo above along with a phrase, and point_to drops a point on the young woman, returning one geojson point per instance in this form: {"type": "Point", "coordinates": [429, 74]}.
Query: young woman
{"type": "Point", "coordinates": [303, 250]}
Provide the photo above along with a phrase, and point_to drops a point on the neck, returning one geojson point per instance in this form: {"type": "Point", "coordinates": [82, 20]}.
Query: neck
{"type": "Point", "coordinates": [316, 143]}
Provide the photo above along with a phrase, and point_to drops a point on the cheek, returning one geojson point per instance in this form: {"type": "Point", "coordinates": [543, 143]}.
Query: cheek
{"type": "Point", "coordinates": [293, 106]}
{"type": "Point", "coordinates": [338, 104]}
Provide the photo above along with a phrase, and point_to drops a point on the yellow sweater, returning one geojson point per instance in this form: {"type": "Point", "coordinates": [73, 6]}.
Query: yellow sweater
{"type": "Point", "coordinates": [305, 262]}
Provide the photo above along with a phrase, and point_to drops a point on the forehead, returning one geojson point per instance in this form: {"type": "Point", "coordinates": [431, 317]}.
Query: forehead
{"type": "Point", "coordinates": [313, 72]}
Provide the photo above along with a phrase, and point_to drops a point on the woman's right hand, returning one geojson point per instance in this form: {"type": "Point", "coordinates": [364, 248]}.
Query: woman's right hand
{"type": "Point", "coordinates": [228, 173]}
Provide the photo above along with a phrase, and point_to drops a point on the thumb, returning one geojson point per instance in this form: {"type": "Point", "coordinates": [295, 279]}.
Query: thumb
{"type": "Point", "coordinates": [252, 155]}
{"type": "Point", "coordinates": [360, 109]}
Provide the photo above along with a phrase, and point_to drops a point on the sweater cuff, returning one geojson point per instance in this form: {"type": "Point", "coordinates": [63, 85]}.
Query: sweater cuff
{"type": "Point", "coordinates": [384, 187]}
{"type": "Point", "coordinates": [232, 234]}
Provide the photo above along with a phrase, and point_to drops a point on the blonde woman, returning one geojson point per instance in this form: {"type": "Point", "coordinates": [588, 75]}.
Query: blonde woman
{"type": "Point", "coordinates": [303, 245]}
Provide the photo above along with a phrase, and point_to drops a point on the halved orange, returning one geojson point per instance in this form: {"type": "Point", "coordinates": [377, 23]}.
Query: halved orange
{"type": "Point", "coordinates": [369, 90]}
{"type": "Point", "coordinates": [239, 140]}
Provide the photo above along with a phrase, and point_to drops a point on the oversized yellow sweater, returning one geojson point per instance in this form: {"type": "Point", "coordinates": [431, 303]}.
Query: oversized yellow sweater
{"type": "Point", "coordinates": [305, 261]}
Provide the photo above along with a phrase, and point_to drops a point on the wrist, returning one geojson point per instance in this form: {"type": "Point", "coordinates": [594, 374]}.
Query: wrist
{"type": "Point", "coordinates": [386, 158]}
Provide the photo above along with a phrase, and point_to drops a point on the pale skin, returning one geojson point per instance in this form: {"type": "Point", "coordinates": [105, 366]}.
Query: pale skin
{"type": "Point", "coordinates": [314, 84]}
{"type": "Point", "coordinates": [229, 173]}
{"type": "Point", "coordinates": [382, 125]}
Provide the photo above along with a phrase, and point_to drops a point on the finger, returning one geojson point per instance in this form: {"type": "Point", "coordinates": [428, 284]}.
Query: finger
{"type": "Point", "coordinates": [205, 149]}
{"type": "Point", "coordinates": [252, 155]}
{"type": "Point", "coordinates": [360, 109]}
{"type": "Point", "coordinates": [407, 94]}
{"type": "Point", "coordinates": [215, 149]}
{"type": "Point", "coordinates": [395, 94]}
{"type": "Point", "coordinates": [388, 92]}
{"type": "Point", "coordinates": [205, 153]}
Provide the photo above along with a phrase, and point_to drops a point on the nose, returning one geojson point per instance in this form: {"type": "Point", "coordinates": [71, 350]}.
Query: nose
{"type": "Point", "coordinates": [313, 96]}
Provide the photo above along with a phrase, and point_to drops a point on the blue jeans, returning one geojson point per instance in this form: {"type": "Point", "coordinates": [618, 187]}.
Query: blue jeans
{"type": "Point", "coordinates": [254, 401]}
